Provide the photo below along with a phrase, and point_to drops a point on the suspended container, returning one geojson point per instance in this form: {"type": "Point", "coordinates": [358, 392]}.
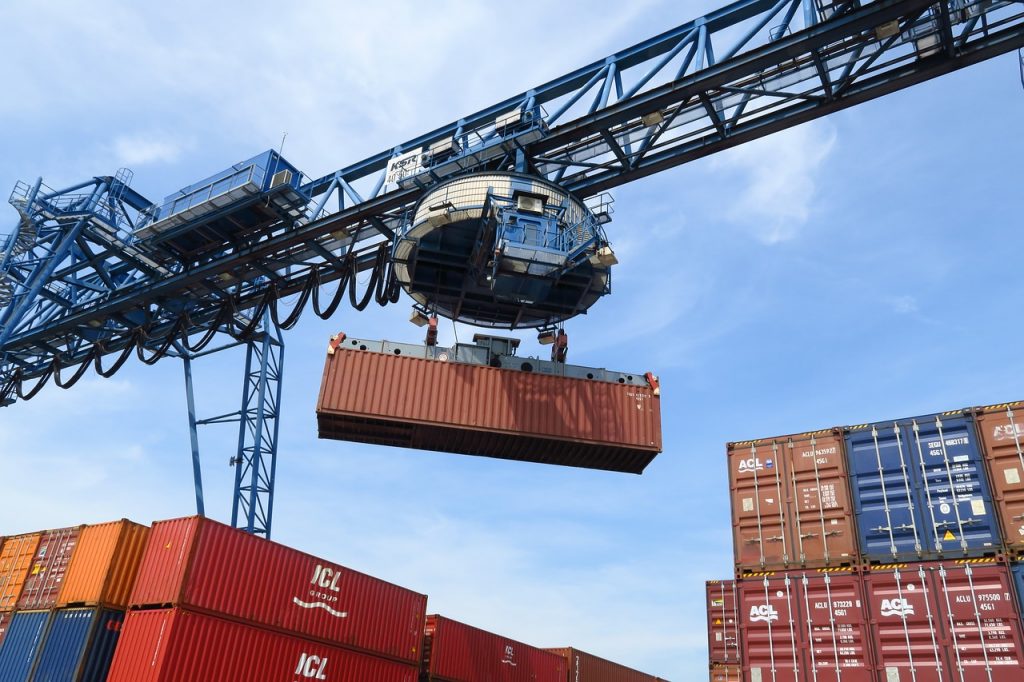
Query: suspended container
{"type": "Point", "coordinates": [584, 667]}
{"type": "Point", "coordinates": [49, 567]}
{"type": "Point", "coordinates": [920, 489]}
{"type": "Point", "coordinates": [723, 622]}
{"type": "Point", "coordinates": [79, 646]}
{"type": "Point", "coordinates": [175, 645]}
{"type": "Point", "coordinates": [1001, 433]}
{"type": "Point", "coordinates": [21, 646]}
{"type": "Point", "coordinates": [105, 565]}
{"type": "Point", "coordinates": [205, 566]}
{"type": "Point", "coordinates": [456, 652]}
{"type": "Point", "coordinates": [480, 399]}
{"type": "Point", "coordinates": [15, 562]}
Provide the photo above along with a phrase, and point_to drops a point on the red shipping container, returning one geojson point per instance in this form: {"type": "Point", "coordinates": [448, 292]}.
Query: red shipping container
{"type": "Point", "coordinates": [725, 673]}
{"type": "Point", "coordinates": [723, 622]}
{"type": "Point", "coordinates": [953, 621]}
{"type": "Point", "coordinates": [206, 566]}
{"type": "Point", "coordinates": [1001, 435]}
{"type": "Point", "coordinates": [5, 620]}
{"type": "Point", "coordinates": [584, 667]}
{"type": "Point", "coordinates": [837, 636]}
{"type": "Point", "coordinates": [771, 629]}
{"type": "Point", "coordinates": [48, 568]}
{"type": "Point", "coordinates": [174, 645]}
{"type": "Point", "coordinates": [456, 652]}
{"type": "Point", "coordinates": [371, 396]}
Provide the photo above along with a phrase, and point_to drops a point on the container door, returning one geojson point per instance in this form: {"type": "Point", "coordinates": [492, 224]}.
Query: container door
{"type": "Point", "coordinates": [1001, 431]}
{"type": "Point", "coordinates": [824, 533]}
{"type": "Point", "coordinates": [882, 476]}
{"type": "Point", "coordinates": [771, 632]}
{"type": "Point", "coordinates": [838, 635]}
{"type": "Point", "coordinates": [49, 566]}
{"type": "Point", "coordinates": [982, 618]}
{"type": "Point", "coordinates": [757, 486]}
{"type": "Point", "coordinates": [723, 624]}
{"type": "Point", "coordinates": [955, 497]}
{"type": "Point", "coordinates": [905, 623]}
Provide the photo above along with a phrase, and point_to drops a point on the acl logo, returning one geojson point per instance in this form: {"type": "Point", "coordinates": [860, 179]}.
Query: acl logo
{"type": "Point", "coordinates": [326, 578]}
{"type": "Point", "coordinates": [897, 607]}
{"type": "Point", "coordinates": [509, 655]}
{"type": "Point", "coordinates": [765, 613]}
{"type": "Point", "coordinates": [311, 667]}
{"type": "Point", "coordinates": [754, 464]}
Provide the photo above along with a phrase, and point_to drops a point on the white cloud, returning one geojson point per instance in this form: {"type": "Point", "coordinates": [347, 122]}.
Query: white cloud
{"type": "Point", "coordinates": [903, 305]}
{"type": "Point", "coordinates": [777, 175]}
{"type": "Point", "coordinates": [141, 149]}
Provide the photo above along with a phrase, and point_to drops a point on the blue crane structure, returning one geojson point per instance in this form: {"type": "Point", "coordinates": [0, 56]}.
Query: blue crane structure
{"type": "Point", "coordinates": [95, 273]}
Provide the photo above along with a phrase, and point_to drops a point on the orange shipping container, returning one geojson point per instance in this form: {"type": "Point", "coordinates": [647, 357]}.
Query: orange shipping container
{"type": "Point", "coordinates": [105, 564]}
{"type": "Point", "coordinates": [377, 392]}
{"type": "Point", "coordinates": [15, 560]}
{"type": "Point", "coordinates": [584, 667]}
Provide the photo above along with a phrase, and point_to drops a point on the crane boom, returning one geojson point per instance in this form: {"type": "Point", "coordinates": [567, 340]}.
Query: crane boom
{"type": "Point", "coordinates": [83, 278]}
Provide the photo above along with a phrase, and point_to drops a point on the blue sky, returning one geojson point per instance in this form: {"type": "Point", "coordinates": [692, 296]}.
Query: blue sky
{"type": "Point", "coordinates": [862, 267]}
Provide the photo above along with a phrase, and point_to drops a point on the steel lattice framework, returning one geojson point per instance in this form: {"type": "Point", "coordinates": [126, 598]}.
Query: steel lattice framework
{"type": "Point", "coordinates": [82, 284]}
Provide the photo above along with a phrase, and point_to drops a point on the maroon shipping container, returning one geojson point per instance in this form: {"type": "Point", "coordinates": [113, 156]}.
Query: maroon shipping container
{"type": "Point", "coordinates": [954, 621]}
{"type": "Point", "coordinates": [725, 673]}
{"type": "Point", "coordinates": [791, 504]}
{"type": "Point", "coordinates": [5, 620]}
{"type": "Point", "coordinates": [584, 667]}
{"type": "Point", "coordinates": [206, 566]}
{"type": "Point", "coordinates": [1001, 433]}
{"type": "Point", "coordinates": [175, 645]}
{"type": "Point", "coordinates": [723, 622]}
{"type": "Point", "coordinates": [805, 625]}
{"type": "Point", "coordinates": [372, 396]}
{"type": "Point", "coordinates": [48, 568]}
{"type": "Point", "coordinates": [456, 652]}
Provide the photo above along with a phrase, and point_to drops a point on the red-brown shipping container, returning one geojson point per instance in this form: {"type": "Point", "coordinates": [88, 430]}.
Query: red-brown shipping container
{"type": "Point", "coordinates": [15, 561]}
{"type": "Point", "coordinates": [414, 402]}
{"type": "Point", "coordinates": [805, 625]}
{"type": "Point", "coordinates": [456, 652]}
{"type": "Point", "coordinates": [725, 673]}
{"type": "Point", "coordinates": [5, 620]}
{"type": "Point", "coordinates": [175, 645]}
{"type": "Point", "coordinates": [206, 566]}
{"type": "Point", "coordinates": [1001, 434]}
{"type": "Point", "coordinates": [723, 622]}
{"type": "Point", "coordinates": [791, 504]}
{"type": "Point", "coordinates": [49, 566]}
{"type": "Point", "coordinates": [953, 621]}
{"type": "Point", "coordinates": [584, 667]}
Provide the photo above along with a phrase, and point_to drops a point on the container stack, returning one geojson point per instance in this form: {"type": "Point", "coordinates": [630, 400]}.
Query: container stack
{"type": "Point", "coordinates": [65, 592]}
{"type": "Point", "coordinates": [883, 552]}
{"type": "Point", "coordinates": [723, 631]}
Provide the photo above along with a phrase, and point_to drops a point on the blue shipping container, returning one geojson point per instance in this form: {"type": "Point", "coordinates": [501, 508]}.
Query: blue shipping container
{"type": "Point", "coordinates": [21, 645]}
{"type": "Point", "coordinates": [1017, 573]}
{"type": "Point", "coordinates": [920, 489]}
{"type": "Point", "coordinates": [80, 646]}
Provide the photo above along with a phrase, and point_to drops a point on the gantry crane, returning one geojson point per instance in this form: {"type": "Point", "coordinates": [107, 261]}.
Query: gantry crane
{"type": "Point", "coordinates": [95, 273]}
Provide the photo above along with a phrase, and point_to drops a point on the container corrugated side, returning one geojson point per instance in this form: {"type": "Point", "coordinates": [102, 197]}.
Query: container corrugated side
{"type": "Point", "coordinates": [723, 621]}
{"type": "Point", "coordinates": [206, 566]}
{"type": "Point", "coordinates": [725, 673]}
{"type": "Point", "coordinates": [471, 409]}
{"type": "Point", "coordinates": [820, 508]}
{"type": "Point", "coordinates": [456, 652]}
{"type": "Point", "coordinates": [20, 649]}
{"type": "Point", "coordinates": [760, 518]}
{"type": "Point", "coordinates": [103, 570]}
{"type": "Point", "coordinates": [49, 566]}
{"type": "Point", "coordinates": [920, 490]}
{"type": "Point", "coordinates": [1001, 433]}
{"type": "Point", "coordinates": [79, 646]}
{"type": "Point", "coordinates": [584, 667]}
{"type": "Point", "coordinates": [15, 561]}
{"type": "Point", "coordinates": [175, 645]}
